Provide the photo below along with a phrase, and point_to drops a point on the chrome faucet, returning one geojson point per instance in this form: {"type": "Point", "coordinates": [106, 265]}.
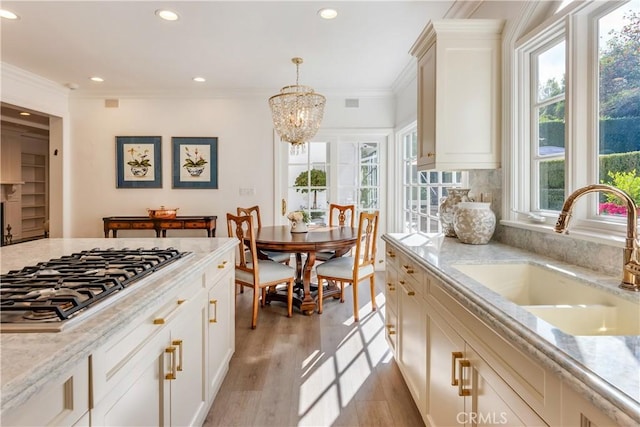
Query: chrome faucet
{"type": "Point", "coordinates": [630, 265]}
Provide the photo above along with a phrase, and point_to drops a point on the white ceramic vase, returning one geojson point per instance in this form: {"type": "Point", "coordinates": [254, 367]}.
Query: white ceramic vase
{"type": "Point", "coordinates": [474, 222]}
{"type": "Point", "coordinates": [299, 227]}
{"type": "Point", "coordinates": [446, 209]}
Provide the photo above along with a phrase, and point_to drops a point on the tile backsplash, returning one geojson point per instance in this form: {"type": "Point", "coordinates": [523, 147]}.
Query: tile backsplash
{"type": "Point", "coordinates": [599, 257]}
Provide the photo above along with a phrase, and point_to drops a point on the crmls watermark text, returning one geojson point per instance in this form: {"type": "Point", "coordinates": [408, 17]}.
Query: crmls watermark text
{"type": "Point", "coordinates": [482, 418]}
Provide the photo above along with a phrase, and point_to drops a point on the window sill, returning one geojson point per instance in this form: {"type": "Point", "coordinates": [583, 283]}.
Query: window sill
{"type": "Point", "coordinates": [608, 238]}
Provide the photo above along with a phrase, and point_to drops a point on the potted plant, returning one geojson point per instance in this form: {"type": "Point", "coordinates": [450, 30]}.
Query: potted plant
{"type": "Point", "coordinates": [299, 221]}
{"type": "Point", "coordinates": [139, 162]}
{"type": "Point", "coordinates": [194, 164]}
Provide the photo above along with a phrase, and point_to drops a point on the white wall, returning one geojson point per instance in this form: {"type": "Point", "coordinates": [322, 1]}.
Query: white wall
{"type": "Point", "coordinates": [245, 154]}
{"type": "Point", "coordinates": [24, 89]}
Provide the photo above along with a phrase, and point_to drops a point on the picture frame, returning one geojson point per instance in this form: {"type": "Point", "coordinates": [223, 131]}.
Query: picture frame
{"type": "Point", "coordinates": [195, 162]}
{"type": "Point", "coordinates": [138, 162]}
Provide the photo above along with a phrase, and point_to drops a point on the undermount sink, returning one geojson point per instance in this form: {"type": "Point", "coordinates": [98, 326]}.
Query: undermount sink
{"type": "Point", "coordinates": [561, 300]}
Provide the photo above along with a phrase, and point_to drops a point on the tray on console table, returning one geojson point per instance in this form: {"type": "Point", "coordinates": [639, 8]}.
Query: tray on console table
{"type": "Point", "coordinates": [115, 223]}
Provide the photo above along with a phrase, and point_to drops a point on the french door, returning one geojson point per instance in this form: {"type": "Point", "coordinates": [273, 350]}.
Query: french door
{"type": "Point", "coordinates": [347, 167]}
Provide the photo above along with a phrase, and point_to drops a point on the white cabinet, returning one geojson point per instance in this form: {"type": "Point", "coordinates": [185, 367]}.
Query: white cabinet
{"type": "Point", "coordinates": [391, 301]}
{"type": "Point", "coordinates": [464, 389]}
{"type": "Point", "coordinates": [220, 282]}
{"type": "Point", "coordinates": [153, 374]}
{"type": "Point", "coordinates": [62, 402]}
{"type": "Point", "coordinates": [459, 94]}
{"type": "Point", "coordinates": [406, 285]}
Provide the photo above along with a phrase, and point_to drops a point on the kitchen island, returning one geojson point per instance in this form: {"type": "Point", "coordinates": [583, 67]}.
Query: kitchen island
{"type": "Point", "coordinates": [184, 310]}
{"type": "Point", "coordinates": [554, 375]}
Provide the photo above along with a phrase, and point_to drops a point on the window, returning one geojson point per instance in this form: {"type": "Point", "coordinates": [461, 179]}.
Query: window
{"type": "Point", "coordinates": [421, 191]}
{"type": "Point", "coordinates": [579, 112]}
{"type": "Point", "coordinates": [548, 154]}
{"type": "Point", "coordinates": [342, 167]}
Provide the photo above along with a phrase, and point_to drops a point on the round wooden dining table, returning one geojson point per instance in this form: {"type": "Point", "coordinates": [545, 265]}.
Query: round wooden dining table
{"type": "Point", "coordinates": [318, 239]}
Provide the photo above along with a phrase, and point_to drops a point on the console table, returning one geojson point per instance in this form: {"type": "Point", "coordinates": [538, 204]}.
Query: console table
{"type": "Point", "coordinates": [115, 223]}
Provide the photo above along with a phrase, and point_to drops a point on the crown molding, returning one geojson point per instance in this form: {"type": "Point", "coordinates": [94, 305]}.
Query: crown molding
{"type": "Point", "coordinates": [12, 73]}
{"type": "Point", "coordinates": [462, 9]}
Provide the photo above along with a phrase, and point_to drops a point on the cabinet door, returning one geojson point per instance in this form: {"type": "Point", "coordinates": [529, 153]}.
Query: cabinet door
{"type": "Point", "coordinates": [220, 332]}
{"type": "Point", "coordinates": [142, 397]}
{"type": "Point", "coordinates": [412, 347]}
{"type": "Point", "coordinates": [188, 398]}
{"type": "Point", "coordinates": [444, 349]}
{"type": "Point", "coordinates": [427, 109]}
{"type": "Point", "coordinates": [391, 306]}
{"type": "Point", "coordinates": [491, 401]}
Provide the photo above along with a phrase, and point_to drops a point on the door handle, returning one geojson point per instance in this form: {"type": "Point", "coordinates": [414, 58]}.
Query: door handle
{"type": "Point", "coordinates": [284, 207]}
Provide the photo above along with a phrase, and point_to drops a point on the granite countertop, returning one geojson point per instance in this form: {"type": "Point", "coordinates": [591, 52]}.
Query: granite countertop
{"type": "Point", "coordinates": [30, 360]}
{"type": "Point", "coordinates": [603, 369]}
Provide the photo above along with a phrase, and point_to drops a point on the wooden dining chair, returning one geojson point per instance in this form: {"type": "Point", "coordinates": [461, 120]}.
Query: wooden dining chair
{"type": "Point", "coordinates": [254, 211]}
{"type": "Point", "coordinates": [257, 273]}
{"type": "Point", "coordinates": [341, 213]}
{"type": "Point", "coordinates": [353, 269]}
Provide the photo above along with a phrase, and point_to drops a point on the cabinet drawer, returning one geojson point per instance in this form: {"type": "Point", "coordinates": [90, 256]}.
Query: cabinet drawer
{"type": "Point", "coordinates": [194, 224]}
{"type": "Point", "coordinates": [120, 225]}
{"type": "Point", "coordinates": [171, 225]}
{"type": "Point", "coordinates": [221, 265]}
{"type": "Point", "coordinates": [62, 402]}
{"type": "Point", "coordinates": [392, 257]}
{"type": "Point", "coordinates": [411, 275]}
{"type": "Point", "coordinates": [142, 225]}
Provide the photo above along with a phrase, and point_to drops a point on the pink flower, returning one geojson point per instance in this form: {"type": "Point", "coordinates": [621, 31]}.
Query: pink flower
{"type": "Point", "coordinates": [610, 208]}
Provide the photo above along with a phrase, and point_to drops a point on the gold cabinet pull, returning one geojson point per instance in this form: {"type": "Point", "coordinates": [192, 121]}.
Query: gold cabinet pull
{"type": "Point", "coordinates": [391, 254]}
{"type": "Point", "coordinates": [214, 302]}
{"type": "Point", "coordinates": [391, 287]}
{"type": "Point", "coordinates": [171, 375]}
{"type": "Point", "coordinates": [284, 207]}
{"type": "Point", "coordinates": [411, 293]}
{"type": "Point", "coordinates": [390, 330]}
{"type": "Point", "coordinates": [408, 269]}
{"type": "Point", "coordinates": [181, 301]}
{"type": "Point", "coordinates": [402, 282]}
{"type": "Point", "coordinates": [179, 344]}
{"type": "Point", "coordinates": [431, 154]}
{"type": "Point", "coordinates": [158, 321]}
{"type": "Point", "coordinates": [464, 363]}
{"type": "Point", "coordinates": [454, 355]}
{"type": "Point", "coordinates": [223, 265]}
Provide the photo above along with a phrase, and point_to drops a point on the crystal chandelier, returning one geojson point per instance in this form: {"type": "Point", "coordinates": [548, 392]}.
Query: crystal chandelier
{"type": "Point", "coordinates": [297, 112]}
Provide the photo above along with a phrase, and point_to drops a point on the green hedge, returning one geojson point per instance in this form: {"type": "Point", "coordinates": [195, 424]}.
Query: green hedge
{"type": "Point", "coordinates": [552, 176]}
{"type": "Point", "coordinates": [619, 135]}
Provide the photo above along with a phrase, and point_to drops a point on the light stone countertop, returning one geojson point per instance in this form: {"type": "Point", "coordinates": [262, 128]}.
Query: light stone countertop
{"type": "Point", "coordinates": [605, 370]}
{"type": "Point", "coordinates": [30, 360]}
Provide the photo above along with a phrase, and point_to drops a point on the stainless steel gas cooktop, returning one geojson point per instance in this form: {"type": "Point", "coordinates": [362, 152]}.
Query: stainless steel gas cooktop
{"type": "Point", "coordinates": [52, 295]}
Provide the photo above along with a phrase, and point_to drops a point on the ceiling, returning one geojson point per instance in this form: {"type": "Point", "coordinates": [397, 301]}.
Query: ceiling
{"type": "Point", "coordinates": [240, 47]}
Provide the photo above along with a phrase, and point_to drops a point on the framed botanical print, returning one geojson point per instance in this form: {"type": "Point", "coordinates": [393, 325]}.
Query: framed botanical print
{"type": "Point", "coordinates": [195, 162]}
{"type": "Point", "coordinates": [138, 162]}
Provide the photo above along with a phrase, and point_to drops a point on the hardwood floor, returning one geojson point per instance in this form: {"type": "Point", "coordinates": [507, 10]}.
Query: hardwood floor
{"type": "Point", "coordinates": [319, 370]}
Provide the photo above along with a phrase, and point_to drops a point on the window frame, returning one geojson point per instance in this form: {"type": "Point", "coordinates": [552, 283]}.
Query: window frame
{"type": "Point", "coordinates": [404, 162]}
{"type": "Point", "coordinates": [578, 24]}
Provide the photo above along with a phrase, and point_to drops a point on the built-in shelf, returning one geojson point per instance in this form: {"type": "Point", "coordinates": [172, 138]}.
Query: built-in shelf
{"type": "Point", "coordinates": [34, 194]}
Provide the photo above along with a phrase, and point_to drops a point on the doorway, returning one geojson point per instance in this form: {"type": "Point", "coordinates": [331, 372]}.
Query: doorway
{"type": "Point", "coordinates": [24, 157]}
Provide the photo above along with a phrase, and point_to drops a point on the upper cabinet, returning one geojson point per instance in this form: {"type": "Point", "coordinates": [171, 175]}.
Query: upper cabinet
{"type": "Point", "coordinates": [459, 64]}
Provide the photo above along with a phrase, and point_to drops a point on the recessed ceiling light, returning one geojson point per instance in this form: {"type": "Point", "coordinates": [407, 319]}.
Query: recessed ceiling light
{"type": "Point", "coordinates": [24, 113]}
{"type": "Point", "coordinates": [167, 15]}
{"type": "Point", "coordinates": [328, 13]}
{"type": "Point", "coordinates": [97, 79]}
{"type": "Point", "coordinates": [4, 13]}
{"type": "Point", "coordinates": [199, 79]}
